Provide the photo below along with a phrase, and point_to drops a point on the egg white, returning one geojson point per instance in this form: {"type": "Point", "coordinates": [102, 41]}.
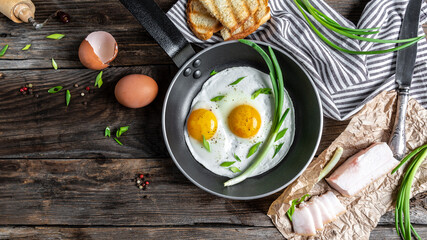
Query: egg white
{"type": "Point", "coordinates": [224, 144]}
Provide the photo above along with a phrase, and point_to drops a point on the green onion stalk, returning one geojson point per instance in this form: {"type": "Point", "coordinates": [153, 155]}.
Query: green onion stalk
{"type": "Point", "coordinates": [402, 218]}
{"type": "Point", "coordinates": [278, 118]}
{"type": "Point", "coordinates": [305, 6]}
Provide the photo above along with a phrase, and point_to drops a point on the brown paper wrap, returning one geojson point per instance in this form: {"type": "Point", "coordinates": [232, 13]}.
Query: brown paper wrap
{"type": "Point", "coordinates": [372, 124]}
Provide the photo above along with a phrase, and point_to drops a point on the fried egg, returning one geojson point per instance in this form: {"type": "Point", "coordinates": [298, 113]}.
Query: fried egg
{"type": "Point", "coordinates": [231, 119]}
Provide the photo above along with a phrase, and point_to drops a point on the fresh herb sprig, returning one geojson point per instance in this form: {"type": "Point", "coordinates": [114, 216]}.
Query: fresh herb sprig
{"type": "Point", "coordinates": [305, 6]}
{"type": "Point", "coordinates": [276, 78]}
{"type": "Point", "coordinates": [402, 217]}
{"type": "Point", "coordinates": [294, 203]}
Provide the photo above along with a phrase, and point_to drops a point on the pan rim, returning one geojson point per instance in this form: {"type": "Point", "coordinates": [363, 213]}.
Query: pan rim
{"type": "Point", "coordinates": [165, 137]}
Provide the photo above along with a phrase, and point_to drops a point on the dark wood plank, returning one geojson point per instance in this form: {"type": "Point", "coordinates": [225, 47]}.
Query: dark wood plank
{"type": "Point", "coordinates": [102, 192]}
{"type": "Point", "coordinates": [380, 233]}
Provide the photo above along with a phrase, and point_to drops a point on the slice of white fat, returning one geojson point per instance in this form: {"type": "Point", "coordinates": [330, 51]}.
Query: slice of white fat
{"type": "Point", "coordinates": [337, 207]}
{"type": "Point", "coordinates": [327, 215]}
{"type": "Point", "coordinates": [316, 214]}
{"type": "Point", "coordinates": [302, 222]}
{"type": "Point", "coordinates": [362, 169]}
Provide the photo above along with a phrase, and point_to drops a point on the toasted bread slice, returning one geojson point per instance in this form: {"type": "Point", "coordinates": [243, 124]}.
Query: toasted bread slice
{"type": "Point", "coordinates": [231, 13]}
{"type": "Point", "coordinates": [261, 16]}
{"type": "Point", "coordinates": [200, 21]}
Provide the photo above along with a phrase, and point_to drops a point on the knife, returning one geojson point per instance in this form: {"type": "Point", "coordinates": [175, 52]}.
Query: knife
{"type": "Point", "coordinates": [404, 69]}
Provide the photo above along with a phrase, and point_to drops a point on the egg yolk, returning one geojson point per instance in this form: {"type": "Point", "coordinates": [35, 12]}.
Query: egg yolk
{"type": "Point", "coordinates": [244, 121]}
{"type": "Point", "coordinates": [202, 122]}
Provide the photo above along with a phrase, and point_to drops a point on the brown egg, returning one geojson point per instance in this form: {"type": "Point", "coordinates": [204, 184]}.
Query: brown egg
{"type": "Point", "coordinates": [97, 50]}
{"type": "Point", "coordinates": [136, 90]}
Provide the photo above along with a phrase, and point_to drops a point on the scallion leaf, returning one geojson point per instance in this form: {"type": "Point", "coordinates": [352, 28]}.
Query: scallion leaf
{"type": "Point", "coordinates": [217, 98]}
{"type": "Point", "coordinates": [261, 91]}
{"type": "Point", "coordinates": [277, 149]}
{"type": "Point", "coordinates": [253, 149]}
{"type": "Point", "coordinates": [294, 203]}
{"type": "Point", "coordinates": [121, 130]}
{"type": "Point", "coordinates": [26, 47]}
{"type": "Point", "coordinates": [54, 89]}
{"type": "Point", "coordinates": [237, 81]}
{"type": "Point", "coordinates": [107, 132]}
{"type": "Point", "coordinates": [117, 140]}
{"type": "Point", "coordinates": [3, 50]}
{"type": "Point", "coordinates": [213, 72]}
{"type": "Point", "coordinates": [54, 65]}
{"type": "Point", "coordinates": [56, 36]}
{"type": "Point", "coordinates": [67, 97]}
{"type": "Point", "coordinates": [227, 164]}
{"type": "Point", "coordinates": [280, 134]}
{"type": "Point", "coordinates": [237, 158]}
{"type": "Point", "coordinates": [98, 80]}
{"type": "Point", "coordinates": [206, 144]}
{"type": "Point", "coordinates": [234, 169]}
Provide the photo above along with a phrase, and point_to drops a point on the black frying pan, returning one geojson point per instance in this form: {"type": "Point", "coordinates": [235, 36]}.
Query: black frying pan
{"type": "Point", "coordinates": [195, 70]}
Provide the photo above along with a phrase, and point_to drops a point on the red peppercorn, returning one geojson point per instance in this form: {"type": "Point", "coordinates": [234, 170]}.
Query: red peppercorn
{"type": "Point", "coordinates": [25, 89]}
{"type": "Point", "coordinates": [87, 89]}
{"type": "Point", "coordinates": [146, 183]}
{"type": "Point", "coordinates": [21, 90]}
{"type": "Point", "coordinates": [141, 176]}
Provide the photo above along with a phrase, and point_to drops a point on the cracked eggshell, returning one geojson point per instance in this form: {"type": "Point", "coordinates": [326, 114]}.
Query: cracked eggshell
{"type": "Point", "coordinates": [98, 50]}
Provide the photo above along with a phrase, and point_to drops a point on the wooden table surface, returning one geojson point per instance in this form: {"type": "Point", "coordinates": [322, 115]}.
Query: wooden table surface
{"type": "Point", "coordinates": [60, 178]}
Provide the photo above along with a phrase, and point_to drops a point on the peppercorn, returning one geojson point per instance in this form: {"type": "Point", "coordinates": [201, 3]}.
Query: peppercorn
{"type": "Point", "coordinates": [25, 89]}
{"type": "Point", "coordinates": [82, 94]}
{"type": "Point", "coordinates": [21, 90]}
{"type": "Point", "coordinates": [146, 183]}
{"type": "Point", "coordinates": [63, 16]}
{"type": "Point", "coordinates": [30, 85]}
{"type": "Point", "coordinates": [87, 89]}
{"type": "Point", "coordinates": [141, 176]}
{"type": "Point", "coordinates": [76, 85]}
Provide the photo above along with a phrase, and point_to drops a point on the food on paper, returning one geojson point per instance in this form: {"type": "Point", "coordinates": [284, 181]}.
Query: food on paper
{"type": "Point", "coordinates": [235, 18]}
{"type": "Point", "coordinates": [314, 214]}
{"type": "Point", "coordinates": [362, 169]}
{"type": "Point", "coordinates": [225, 117]}
{"type": "Point", "coordinates": [136, 90]}
{"type": "Point", "coordinates": [97, 50]}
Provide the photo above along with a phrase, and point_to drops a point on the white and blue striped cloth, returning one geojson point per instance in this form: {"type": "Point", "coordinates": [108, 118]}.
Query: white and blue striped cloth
{"type": "Point", "coordinates": [345, 82]}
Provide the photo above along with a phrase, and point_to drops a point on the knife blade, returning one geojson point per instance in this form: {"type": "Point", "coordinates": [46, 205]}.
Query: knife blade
{"type": "Point", "coordinates": [404, 69]}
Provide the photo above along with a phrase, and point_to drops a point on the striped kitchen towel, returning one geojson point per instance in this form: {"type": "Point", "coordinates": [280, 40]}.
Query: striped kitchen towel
{"type": "Point", "coordinates": [345, 82]}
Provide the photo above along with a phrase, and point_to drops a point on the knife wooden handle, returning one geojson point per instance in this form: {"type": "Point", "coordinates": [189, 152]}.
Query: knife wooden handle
{"type": "Point", "coordinates": [398, 139]}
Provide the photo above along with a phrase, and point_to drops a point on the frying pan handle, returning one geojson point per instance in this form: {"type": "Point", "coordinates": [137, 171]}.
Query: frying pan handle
{"type": "Point", "coordinates": [160, 27]}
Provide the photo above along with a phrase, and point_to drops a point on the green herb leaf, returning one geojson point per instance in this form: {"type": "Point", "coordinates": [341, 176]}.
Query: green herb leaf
{"type": "Point", "coordinates": [121, 130]}
{"type": "Point", "coordinates": [54, 89]}
{"type": "Point", "coordinates": [206, 144]}
{"type": "Point", "coordinates": [237, 81]}
{"type": "Point", "coordinates": [55, 36]}
{"type": "Point", "coordinates": [295, 202]}
{"type": "Point", "coordinates": [217, 98]}
{"type": "Point", "coordinates": [117, 140]}
{"type": "Point", "coordinates": [261, 91]}
{"type": "Point", "coordinates": [253, 149]}
{"type": "Point", "coordinates": [67, 97]}
{"type": "Point", "coordinates": [54, 65]}
{"type": "Point", "coordinates": [280, 134]}
{"type": "Point", "coordinates": [227, 164]}
{"type": "Point", "coordinates": [26, 47]}
{"type": "Point", "coordinates": [98, 81]}
{"type": "Point", "coordinates": [213, 72]}
{"type": "Point", "coordinates": [234, 169]}
{"type": "Point", "coordinates": [277, 149]}
{"type": "Point", "coordinates": [3, 50]}
{"type": "Point", "coordinates": [107, 132]}
{"type": "Point", "coordinates": [237, 158]}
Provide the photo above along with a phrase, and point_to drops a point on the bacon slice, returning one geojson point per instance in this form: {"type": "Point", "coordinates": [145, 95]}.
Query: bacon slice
{"type": "Point", "coordinates": [362, 169]}
{"type": "Point", "coordinates": [302, 222]}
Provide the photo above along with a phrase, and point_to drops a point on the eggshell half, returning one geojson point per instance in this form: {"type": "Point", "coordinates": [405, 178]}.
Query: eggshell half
{"type": "Point", "coordinates": [136, 90]}
{"type": "Point", "coordinates": [97, 50]}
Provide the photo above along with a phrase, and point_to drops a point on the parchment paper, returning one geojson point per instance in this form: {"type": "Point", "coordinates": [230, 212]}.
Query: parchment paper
{"type": "Point", "coordinates": [372, 124]}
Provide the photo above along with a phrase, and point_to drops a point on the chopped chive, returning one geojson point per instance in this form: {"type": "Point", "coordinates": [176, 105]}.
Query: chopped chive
{"type": "Point", "coordinates": [261, 91]}
{"type": "Point", "coordinates": [117, 140]}
{"type": "Point", "coordinates": [206, 144]}
{"type": "Point", "coordinates": [55, 36]}
{"type": "Point", "coordinates": [277, 149]}
{"type": "Point", "coordinates": [3, 50]}
{"type": "Point", "coordinates": [295, 202]}
{"type": "Point", "coordinates": [280, 134]}
{"type": "Point", "coordinates": [237, 81]}
{"type": "Point", "coordinates": [227, 164]}
{"type": "Point", "coordinates": [26, 47]}
{"type": "Point", "coordinates": [67, 97]}
{"type": "Point", "coordinates": [213, 72]}
{"type": "Point", "coordinates": [98, 80]}
{"type": "Point", "coordinates": [121, 130]}
{"type": "Point", "coordinates": [54, 65]}
{"type": "Point", "coordinates": [234, 169]}
{"type": "Point", "coordinates": [54, 89]}
{"type": "Point", "coordinates": [237, 158]}
{"type": "Point", "coordinates": [253, 149]}
{"type": "Point", "coordinates": [217, 98]}
{"type": "Point", "coordinates": [107, 132]}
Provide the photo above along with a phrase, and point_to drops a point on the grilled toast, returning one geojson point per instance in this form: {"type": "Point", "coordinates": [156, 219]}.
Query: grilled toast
{"type": "Point", "coordinates": [200, 21]}
{"type": "Point", "coordinates": [231, 13]}
{"type": "Point", "coordinates": [261, 16]}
